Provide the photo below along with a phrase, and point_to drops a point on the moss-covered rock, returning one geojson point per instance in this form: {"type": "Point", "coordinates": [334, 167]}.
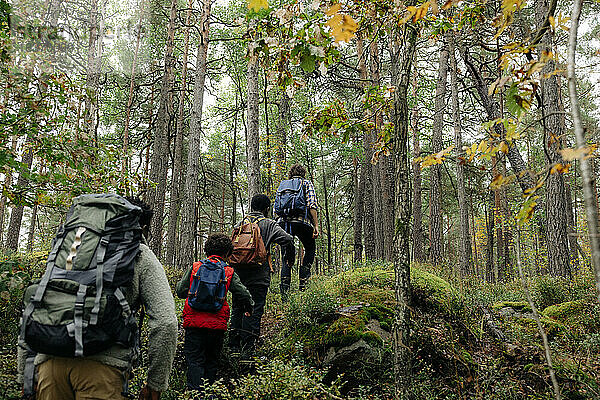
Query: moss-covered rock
{"type": "Point", "coordinates": [565, 311]}
{"type": "Point", "coordinates": [344, 331]}
{"type": "Point", "coordinates": [551, 326]}
{"type": "Point", "coordinates": [435, 291]}
{"type": "Point", "coordinates": [521, 306]}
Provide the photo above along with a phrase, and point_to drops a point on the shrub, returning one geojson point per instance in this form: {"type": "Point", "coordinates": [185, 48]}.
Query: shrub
{"type": "Point", "coordinates": [547, 291]}
{"type": "Point", "coordinates": [16, 273]}
{"type": "Point", "coordinates": [311, 306]}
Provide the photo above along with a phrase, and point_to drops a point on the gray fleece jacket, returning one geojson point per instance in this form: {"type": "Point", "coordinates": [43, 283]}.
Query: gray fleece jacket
{"type": "Point", "coordinates": [271, 233]}
{"type": "Point", "coordinates": [150, 288]}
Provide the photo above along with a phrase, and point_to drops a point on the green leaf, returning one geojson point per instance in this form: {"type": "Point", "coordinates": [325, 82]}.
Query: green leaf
{"type": "Point", "coordinates": [308, 62]}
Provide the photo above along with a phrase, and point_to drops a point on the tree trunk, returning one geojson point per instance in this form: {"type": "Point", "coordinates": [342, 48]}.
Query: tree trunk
{"type": "Point", "coordinates": [490, 272]}
{"type": "Point", "coordinates": [16, 216]}
{"type": "Point", "coordinates": [94, 62]}
{"type": "Point", "coordinates": [252, 133]}
{"type": "Point", "coordinates": [366, 180]}
{"type": "Point", "coordinates": [435, 201]}
{"type": "Point", "coordinates": [232, 165]}
{"type": "Point", "coordinates": [7, 185]}
{"type": "Point", "coordinates": [326, 203]}
{"type": "Point", "coordinates": [125, 161]}
{"type": "Point", "coordinates": [505, 267]}
{"type": "Point", "coordinates": [402, 50]}
{"type": "Point", "coordinates": [587, 173]}
{"type": "Point", "coordinates": [417, 226]}
{"type": "Point", "coordinates": [31, 234]}
{"type": "Point", "coordinates": [159, 164]}
{"type": "Point", "coordinates": [177, 172]}
{"type": "Point", "coordinates": [284, 127]}
{"type": "Point", "coordinates": [357, 180]}
{"type": "Point", "coordinates": [376, 169]}
{"type": "Point", "coordinates": [464, 257]}
{"type": "Point", "coordinates": [383, 171]}
{"type": "Point", "coordinates": [572, 229]}
{"type": "Point", "coordinates": [552, 123]}
{"type": "Point", "coordinates": [189, 227]}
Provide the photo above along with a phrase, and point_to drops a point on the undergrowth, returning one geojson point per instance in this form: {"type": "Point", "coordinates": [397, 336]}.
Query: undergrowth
{"type": "Point", "coordinates": [453, 354]}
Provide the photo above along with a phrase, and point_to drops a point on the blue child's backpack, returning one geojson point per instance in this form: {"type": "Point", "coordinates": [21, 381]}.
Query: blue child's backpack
{"type": "Point", "coordinates": [208, 288]}
{"type": "Point", "coordinates": [290, 199]}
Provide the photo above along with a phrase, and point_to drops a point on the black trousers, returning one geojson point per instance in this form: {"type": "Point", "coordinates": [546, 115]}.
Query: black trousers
{"type": "Point", "coordinates": [244, 331]}
{"type": "Point", "coordinates": [304, 232]}
{"type": "Point", "coordinates": [202, 350]}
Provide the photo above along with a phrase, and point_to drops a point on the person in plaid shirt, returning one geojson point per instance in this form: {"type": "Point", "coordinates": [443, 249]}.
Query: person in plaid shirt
{"type": "Point", "coordinates": [306, 228]}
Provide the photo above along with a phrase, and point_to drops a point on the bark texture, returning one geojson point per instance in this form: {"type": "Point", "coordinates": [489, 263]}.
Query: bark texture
{"type": "Point", "coordinates": [189, 218]}
{"type": "Point", "coordinates": [252, 132]}
{"type": "Point", "coordinates": [587, 170]}
{"type": "Point", "coordinates": [366, 174]}
{"type": "Point", "coordinates": [552, 123]}
{"type": "Point", "coordinates": [93, 71]}
{"type": "Point", "coordinates": [159, 163]}
{"type": "Point", "coordinates": [358, 181]}
{"type": "Point", "coordinates": [417, 213]}
{"type": "Point", "coordinates": [16, 216]}
{"type": "Point", "coordinates": [402, 50]}
{"type": "Point", "coordinates": [464, 256]}
{"type": "Point", "coordinates": [435, 200]}
{"type": "Point", "coordinates": [177, 171]}
{"type": "Point", "coordinates": [377, 169]}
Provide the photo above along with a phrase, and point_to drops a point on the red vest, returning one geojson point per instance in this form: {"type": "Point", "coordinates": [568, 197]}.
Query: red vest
{"type": "Point", "coordinates": [204, 319]}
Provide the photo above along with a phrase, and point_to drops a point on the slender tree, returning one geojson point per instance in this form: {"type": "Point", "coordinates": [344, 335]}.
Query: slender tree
{"type": "Point", "coordinates": [377, 171]}
{"type": "Point", "coordinates": [16, 216]}
{"type": "Point", "coordinates": [435, 203]}
{"type": "Point", "coordinates": [465, 235]}
{"type": "Point", "coordinates": [159, 163]}
{"type": "Point", "coordinates": [94, 63]}
{"type": "Point", "coordinates": [402, 49]}
{"type": "Point", "coordinates": [368, 217]}
{"type": "Point", "coordinates": [177, 174]}
{"type": "Point", "coordinates": [189, 200]}
{"type": "Point", "coordinates": [417, 216]}
{"type": "Point", "coordinates": [252, 131]}
{"type": "Point", "coordinates": [553, 130]}
{"type": "Point", "coordinates": [590, 196]}
{"type": "Point", "coordinates": [357, 179]}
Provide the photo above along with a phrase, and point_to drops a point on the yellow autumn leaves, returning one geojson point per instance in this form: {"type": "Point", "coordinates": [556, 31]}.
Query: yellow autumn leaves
{"type": "Point", "coordinates": [257, 5]}
{"type": "Point", "coordinates": [343, 26]}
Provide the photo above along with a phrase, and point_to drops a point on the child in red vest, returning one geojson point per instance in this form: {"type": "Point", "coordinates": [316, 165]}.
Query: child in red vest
{"type": "Point", "coordinates": [205, 330]}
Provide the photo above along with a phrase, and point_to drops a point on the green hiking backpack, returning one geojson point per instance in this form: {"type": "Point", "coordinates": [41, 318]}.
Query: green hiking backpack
{"type": "Point", "coordinates": [78, 308]}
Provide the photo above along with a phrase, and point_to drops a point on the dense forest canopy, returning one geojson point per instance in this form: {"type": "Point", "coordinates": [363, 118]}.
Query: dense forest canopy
{"type": "Point", "coordinates": [461, 134]}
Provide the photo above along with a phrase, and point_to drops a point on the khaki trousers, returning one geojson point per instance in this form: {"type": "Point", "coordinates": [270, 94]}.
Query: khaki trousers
{"type": "Point", "coordinates": [75, 379]}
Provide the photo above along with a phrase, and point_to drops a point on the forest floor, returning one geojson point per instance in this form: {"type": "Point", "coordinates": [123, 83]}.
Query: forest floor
{"type": "Point", "coordinates": [469, 340]}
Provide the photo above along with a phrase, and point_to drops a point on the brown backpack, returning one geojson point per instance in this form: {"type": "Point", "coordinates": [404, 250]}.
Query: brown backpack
{"type": "Point", "coordinates": [248, 246]}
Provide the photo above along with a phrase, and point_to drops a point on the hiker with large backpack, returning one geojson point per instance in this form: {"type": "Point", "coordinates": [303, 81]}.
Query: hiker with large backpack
{"type": "Point", "coordinates": [206, 312]}
{"type": "Point", "coordinates": [296, 208]}
{"type": "Point", "coordinates": [252, 240]}
{"type": "Point", "coordinates": [79, 327]}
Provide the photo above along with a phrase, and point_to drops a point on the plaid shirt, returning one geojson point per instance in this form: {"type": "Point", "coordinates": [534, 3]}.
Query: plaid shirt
{"type": "Point", "coordinates": [311, 202]}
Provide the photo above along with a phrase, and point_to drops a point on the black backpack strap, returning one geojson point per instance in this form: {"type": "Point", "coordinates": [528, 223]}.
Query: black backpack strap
{"type": "Point", "coordinates": [99, 277]}
{"type": "Point", "coordinates": [29, 377]}
{"type": "Point", "coordinates": [78, 320]}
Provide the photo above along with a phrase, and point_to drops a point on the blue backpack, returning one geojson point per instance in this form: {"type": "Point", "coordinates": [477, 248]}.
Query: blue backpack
{"type": "Point", "coordinates": [290, 199]}
{"type": "Point", "coordinates": [208, 289]}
